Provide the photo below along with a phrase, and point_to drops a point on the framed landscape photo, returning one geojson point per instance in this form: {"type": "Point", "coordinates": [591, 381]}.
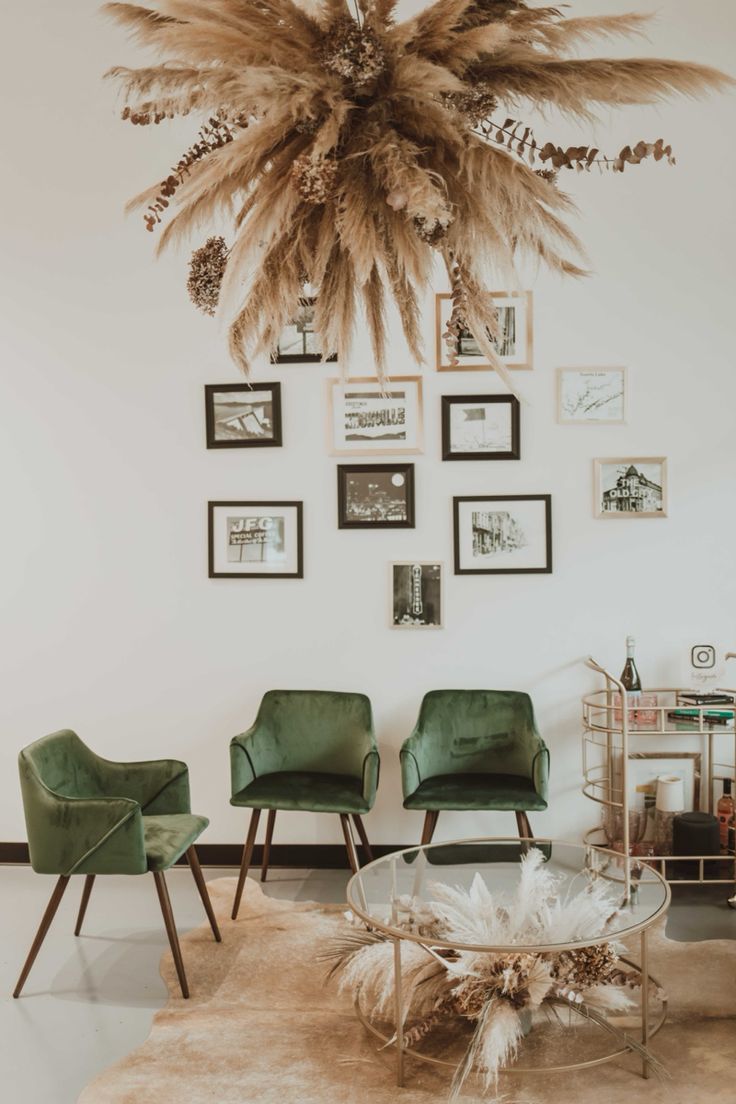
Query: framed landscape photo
{"type": "Point", "coordinates": [417, 597]}
{"type": "Point", "coordinates": [503, 534]}
{"type": "Point", "coordinates": [255, 540]}
{"type": "Point", "coordinates": [298, 343]}
{"type": "Point", "coordinates": [591, 396]}
{"type": "Point", "coordinates": [514, 342]}
{"type": "Point", "coordinates": [243, 415]}
{"type": "Point", "coordinates": [375, 496]}
{"type": "Point", "coordinates": [480, 427]}
{"type": "Point", "coordinates": [630, 486]}
{"type": "Point", "coordinates": [367, 418]}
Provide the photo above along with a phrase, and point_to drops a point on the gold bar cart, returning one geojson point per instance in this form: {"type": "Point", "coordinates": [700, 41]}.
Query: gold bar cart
{"type": "Point", "coordinates": [610, 720]}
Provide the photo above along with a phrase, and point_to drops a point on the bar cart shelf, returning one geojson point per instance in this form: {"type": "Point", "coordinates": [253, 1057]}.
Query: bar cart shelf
{"type": "Point", "coordinates": [611, 722]}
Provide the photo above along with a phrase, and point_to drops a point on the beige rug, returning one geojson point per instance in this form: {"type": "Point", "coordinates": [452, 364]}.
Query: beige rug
{"type": "Point", "coordinates": [263, 1027]}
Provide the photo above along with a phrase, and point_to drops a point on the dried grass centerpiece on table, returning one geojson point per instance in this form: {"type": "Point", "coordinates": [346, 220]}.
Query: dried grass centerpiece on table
{"type": "Point", "coordinates": [494, 992]}
{"type": "Point", "coordinates": [349, 150]}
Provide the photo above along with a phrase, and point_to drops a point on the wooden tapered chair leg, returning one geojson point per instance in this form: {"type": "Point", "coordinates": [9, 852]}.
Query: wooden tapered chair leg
{"type": "Point", "coordinates": [89, 881]}
{"type": "Point", "coordinates": [247, 855]}
{"type": "Point", "coordinates": [430, 823]}
{"type": "Point", "coordinates": [349, 843]}
{"type": "Point", "coordinates": [523, 826]}
{"type": "Point", "coordinates": [267, 845]}
{"type": "Point", "coordinates": [168, 915]}
{"type": "Point", "coordinates": [193, 860]}
{"type": "Point", "coordinates": [43, 928]}
{"type": "Point", "coordinates": [367, 850]}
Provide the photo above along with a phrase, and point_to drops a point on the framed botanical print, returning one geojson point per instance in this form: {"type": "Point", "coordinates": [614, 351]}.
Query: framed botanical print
{"type": "Point", "coordinates": [480, 427]}
{"type": "Point", "coordinates": [367, 418]}
{"type": "Point", "coordinates": [375, 496]}
{"type": "Point", "coordinates": [514, 341]}
{"type": "Point", "coordinates": [503, 534]}
{"type": "Point", "coordinates": [255, 540]}
{"type": "Point", "coordinates": [591, 396]}
{"type": "Point", "coordinates": [298, 343]}
{"type": "Point", "coordinates": [630, 486]}
{"type": "Point", "coordinates": [243, 415]}
{"type": "Point", "coordinates": [417, 595]}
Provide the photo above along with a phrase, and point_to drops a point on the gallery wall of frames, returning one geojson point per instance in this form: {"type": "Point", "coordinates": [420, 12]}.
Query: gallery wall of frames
{"type": "Point", "coordinates": [378, 424]}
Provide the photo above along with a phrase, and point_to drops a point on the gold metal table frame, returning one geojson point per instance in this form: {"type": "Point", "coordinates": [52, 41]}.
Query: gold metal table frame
{"type": "Point", "coordinates": [649, 1025]}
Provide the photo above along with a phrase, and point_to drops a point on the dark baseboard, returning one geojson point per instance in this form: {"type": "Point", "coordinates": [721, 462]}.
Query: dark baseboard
{"type": "Point", "coordinates": [303, 856]}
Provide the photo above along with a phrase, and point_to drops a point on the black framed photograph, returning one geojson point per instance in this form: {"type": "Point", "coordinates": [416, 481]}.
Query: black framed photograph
{"type": "Point", "coordinates": [255, 540]}
{"type": "Point", "coordinates": [375, 496]}
{"type": "Point", "coordinates": [298, 343]}
{"type": "Point", "coordinates": [417, 596]}
{"type": "Point", "coordinates": [503, 534]}
{"type": "Point", "coordinates": [480, 427]}
{"type": "Point", "coordinates": [243, 415]}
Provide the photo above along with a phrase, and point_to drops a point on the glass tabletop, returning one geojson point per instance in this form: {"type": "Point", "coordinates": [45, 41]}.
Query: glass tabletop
{"type": "Point", "coordinates": [501, 894]}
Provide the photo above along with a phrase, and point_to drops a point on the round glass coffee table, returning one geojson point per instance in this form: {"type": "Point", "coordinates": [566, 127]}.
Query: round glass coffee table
{"type": "Point", "coordinates": [387, 893]}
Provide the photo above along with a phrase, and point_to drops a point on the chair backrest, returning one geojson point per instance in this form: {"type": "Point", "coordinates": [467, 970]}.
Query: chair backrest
{"type": "Point", "coordinates": [62, 763]}
{"type": "Point", "coordinates": [477, 731]}
{"type": "Point", "coordinates": [314, 730]}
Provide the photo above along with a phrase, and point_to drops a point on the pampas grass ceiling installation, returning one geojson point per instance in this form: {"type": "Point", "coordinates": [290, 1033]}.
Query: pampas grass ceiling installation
{"type": "Point", "coordinates": [350, 150]}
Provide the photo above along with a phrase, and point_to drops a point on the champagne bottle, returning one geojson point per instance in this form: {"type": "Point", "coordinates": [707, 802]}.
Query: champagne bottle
{"type": "Point", "coordinates": [630, 675]}
{"type": "Point", "coordinates": [631, 681]}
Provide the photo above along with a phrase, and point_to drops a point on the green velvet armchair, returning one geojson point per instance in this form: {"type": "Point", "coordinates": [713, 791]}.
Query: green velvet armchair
{"type": "Point", "coordinates": [308, 750]}
{"type": "Point", "coordinates": [87, 815]}
{"type": "Point", "coordinates": [475, 749]}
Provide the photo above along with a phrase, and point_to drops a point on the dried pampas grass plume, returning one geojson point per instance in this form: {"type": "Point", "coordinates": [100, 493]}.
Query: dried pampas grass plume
{"type": "Point", "coordinates": [349, 150]}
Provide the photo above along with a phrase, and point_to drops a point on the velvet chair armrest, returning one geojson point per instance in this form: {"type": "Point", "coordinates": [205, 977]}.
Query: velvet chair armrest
{"type": "Point", "coordinates": [412, 764]}
{"type": "Point", "coordinates": [371, 771]}
{"type": "Point", "coordinates": [74, 835]}
{"type": "Point", "coordinates": [540, 770]}
{"type": "Point", "coordinates": [160, 786]}
{"type": "Point", "coordinates": [242, 768]}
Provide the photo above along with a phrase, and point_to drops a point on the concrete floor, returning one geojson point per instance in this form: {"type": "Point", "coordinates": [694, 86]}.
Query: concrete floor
{"type": "Point", "coordinates": [89, 1001]}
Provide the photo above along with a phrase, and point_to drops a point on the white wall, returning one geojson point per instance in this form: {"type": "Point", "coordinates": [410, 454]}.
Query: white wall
{"type": "Point", "coordinates": [109, 622]}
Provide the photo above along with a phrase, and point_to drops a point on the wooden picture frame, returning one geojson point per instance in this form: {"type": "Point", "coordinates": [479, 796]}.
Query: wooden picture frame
{"type": "Point", "coordinates": [362, 504]}
{"type": "Point", "coordinates": [628, 480]}
{"type": "Point", "coordinates": [255, 525]}
{"type": "Point", "coordinates": [248, 424]}
{"type": "Point", "coordinates": [499, 537]}
{"type": "Point", "coordinates": [522, 359]}
{"type": "Point", "coordinates": [508, 433]}
{"type": "Point", "coordinates": [369, 418]}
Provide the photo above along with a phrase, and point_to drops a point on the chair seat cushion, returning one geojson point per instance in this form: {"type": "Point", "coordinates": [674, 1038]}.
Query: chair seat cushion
{"type": "Point", "coordinates": [503, 792]}
{"type": "Point", "coordinates": [166, 838]}
{"type": "Point", "coordinates": [310, 791]}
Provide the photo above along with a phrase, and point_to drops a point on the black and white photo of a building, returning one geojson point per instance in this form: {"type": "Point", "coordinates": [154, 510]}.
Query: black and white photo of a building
{"type": "Point", "coordinates": [631, 489]}
{"type": "Point", "coordinates": [496, 531]}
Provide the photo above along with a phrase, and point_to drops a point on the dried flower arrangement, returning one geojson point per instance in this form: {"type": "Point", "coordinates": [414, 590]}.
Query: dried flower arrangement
{"type": "Point", "coordinates": [351, 150]}
{"type": "Point", "coordinates": [491, 991]}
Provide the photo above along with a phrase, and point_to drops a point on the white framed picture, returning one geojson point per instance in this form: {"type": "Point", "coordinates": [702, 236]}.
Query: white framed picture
{"type": "Point", "coordinates": [514, 341]}
{"type": "Point", "coordinates": [645, 767]}
{"type": "Point", "coordinates": [255, 540]}
{"type": "Point", "coordinates": [630, 486]}
{"type": "Point", "coordinates": [503, 534]}
{"type": "Point", "coordinates": [368, 418]}
{"type": "Point", "coordinates": [417, 594]}
{"type": "Point", "coordinates": [591, 396]}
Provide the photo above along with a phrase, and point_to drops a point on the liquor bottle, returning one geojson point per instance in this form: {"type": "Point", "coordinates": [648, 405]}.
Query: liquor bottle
{"type": "Point", "coordinates": [725, 810]}
{"type": "Point", "coordinates": [630, 675]}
